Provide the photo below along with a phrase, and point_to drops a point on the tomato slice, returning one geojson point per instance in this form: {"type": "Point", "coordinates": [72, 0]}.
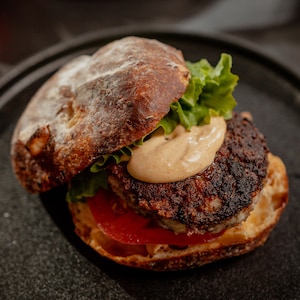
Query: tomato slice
{"type": "Point", "coordinates": [126, 226]}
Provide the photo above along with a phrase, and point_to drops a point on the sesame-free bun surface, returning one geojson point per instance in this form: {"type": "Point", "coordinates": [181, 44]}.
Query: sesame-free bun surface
{"type": "Point", "coordinates": [95, 105]}
{"type": "Point", "coordinates": [235, 241]}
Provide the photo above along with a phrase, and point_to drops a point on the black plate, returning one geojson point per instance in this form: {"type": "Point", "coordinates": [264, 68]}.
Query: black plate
{"type": "Point", "coordinates": [41, 257]}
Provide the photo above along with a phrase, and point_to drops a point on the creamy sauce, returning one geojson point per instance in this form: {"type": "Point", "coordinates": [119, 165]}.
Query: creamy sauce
{"type": "Point", "coordinates": [167, 158]}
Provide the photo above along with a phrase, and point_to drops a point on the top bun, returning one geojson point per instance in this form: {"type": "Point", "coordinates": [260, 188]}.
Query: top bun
{"type": "Point", "coordinates": [95, 105]}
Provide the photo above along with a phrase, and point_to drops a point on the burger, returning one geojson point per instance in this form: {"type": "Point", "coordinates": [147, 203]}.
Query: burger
{"type": "Point", "coordinates": [162, 173]}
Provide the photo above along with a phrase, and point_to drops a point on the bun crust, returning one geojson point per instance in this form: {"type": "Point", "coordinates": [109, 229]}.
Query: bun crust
{"type": "Point", "coordinates": [95, 105]}
{"type": "Point", "coordinates": [235, 241]}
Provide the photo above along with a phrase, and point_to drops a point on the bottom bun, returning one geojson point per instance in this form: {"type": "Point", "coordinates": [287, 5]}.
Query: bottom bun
{"type": "Point", "coordinates": [235, 241]}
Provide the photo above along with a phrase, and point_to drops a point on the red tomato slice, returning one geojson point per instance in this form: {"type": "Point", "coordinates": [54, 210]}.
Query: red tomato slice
{"type": "Point", "coordinates": [127, 227]}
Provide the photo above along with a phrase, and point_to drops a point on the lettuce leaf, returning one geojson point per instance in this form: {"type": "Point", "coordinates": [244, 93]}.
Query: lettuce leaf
{"type": "Point", "coordinates": [209, 93]}
{"type": "Point", "coordinates": [86, 184]}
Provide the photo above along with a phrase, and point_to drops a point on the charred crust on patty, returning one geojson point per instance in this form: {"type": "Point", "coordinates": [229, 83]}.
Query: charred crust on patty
{"type": "Point", "coordinates": [221, 196]}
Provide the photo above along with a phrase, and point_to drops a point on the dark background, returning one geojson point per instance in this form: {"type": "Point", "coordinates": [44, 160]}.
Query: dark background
{"type": "Point", "coordinates": [29, 26]}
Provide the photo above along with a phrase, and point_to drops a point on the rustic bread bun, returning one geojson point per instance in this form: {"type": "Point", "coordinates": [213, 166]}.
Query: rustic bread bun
{"type": "Point", "coordinates": [235, 241]}
{"type": "Point", "coordinates": [95, 105]}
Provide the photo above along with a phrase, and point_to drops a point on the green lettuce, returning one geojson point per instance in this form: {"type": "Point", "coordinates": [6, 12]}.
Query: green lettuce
{"type": "Point", "coordinates": [209, 93]}
{"type": "Point", "coordinates": [86, 184]}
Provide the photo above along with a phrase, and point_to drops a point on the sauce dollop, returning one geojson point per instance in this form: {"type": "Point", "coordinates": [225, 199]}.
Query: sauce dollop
{"type": "Point", "coordinates": [179, 155]}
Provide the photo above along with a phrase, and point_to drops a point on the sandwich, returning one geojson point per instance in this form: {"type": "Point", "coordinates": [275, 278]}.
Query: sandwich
{"type": "Point", "coordinates": [162, 173]}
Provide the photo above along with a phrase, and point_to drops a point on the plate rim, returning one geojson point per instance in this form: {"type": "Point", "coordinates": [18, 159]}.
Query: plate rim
{"type": "Point", "coordinates": [61, 49]}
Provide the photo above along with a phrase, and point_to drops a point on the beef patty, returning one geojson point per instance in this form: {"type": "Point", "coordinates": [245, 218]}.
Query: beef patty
{"type": "Point", "coordinates": [219, 197]}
